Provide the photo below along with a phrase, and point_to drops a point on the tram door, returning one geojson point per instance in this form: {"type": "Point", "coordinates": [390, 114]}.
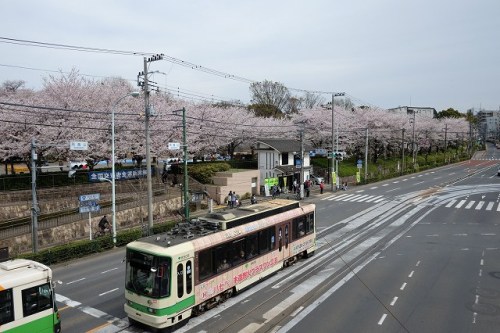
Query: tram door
{"type": "Point", "coordinates": [284, 240]}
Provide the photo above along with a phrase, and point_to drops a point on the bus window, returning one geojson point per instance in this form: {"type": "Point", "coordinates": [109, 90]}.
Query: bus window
{"type": "Point", "coordinates": [280, 240]}
{"type": "Point", "coordinates": [238, 249]}
{"type": "Point", "coordinates": [180, 281]}
{"type": "Point", "coordinates": [286, 236]}
{"type": "Point", "coordinates": [6, 307]}
{"type": "Point", "coordinates": [222, 257]}
{"type": "Point", "coordinates": [205, 264]}
{"type": "Point", "coordinates": [310, 223]}
{"type": "Point", "coordinates": [36, 299]}
{"type": "Point", "coordinates": [189, 278]}
{"type": "Point", "coordinates": [252, 246]}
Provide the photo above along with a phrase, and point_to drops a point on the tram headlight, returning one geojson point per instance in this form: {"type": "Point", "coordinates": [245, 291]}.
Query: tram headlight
{"type": "Point", "coordinates": [152, 311]}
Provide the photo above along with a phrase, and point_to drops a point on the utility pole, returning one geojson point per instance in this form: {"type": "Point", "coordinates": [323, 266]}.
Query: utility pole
{"type": "Point", "coordinates": [34, 203]}
{"type": "Point", "coordinates": [366, 156]}
{"type": "Point", "coordinates": [445, 141]}
{"type": "Point", "coordinates": [185, 184]}
{"type": "Point", "coordinates": [302, 180]}
{"type": "Point", "coordinates": [403, 151]}
{"type": "Point", "coordinates": [147, 115]}
{"type": "Point", "coordinates": [333, 138]}
{"type": "Point", "coordinates": [413, 140]}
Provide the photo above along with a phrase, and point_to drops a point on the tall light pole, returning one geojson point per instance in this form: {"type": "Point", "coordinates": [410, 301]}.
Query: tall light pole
{"type": "Point", "coordinates": [413, 148]}
{"type": "Point", "coordinates": [113, 176]}
{"type": "Point", "coordinates": [333, 135]}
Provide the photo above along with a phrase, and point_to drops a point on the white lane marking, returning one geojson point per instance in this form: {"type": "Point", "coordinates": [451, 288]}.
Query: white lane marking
{"type": "Point", "coordinates": [374, 198]}
{"type": "Point", "coordinates": [451, 203]}
{"type": "Point", "coordinates": [67, 301]}
{"type": "Point", "coordinates": [374, 188]}
{"type": "Point", "coordinates": [470, 204]}
{"type": "Point", "coordinates": [363, 199]}
{"type": "Point", "coordinates": [381, 321]}
{"type": "Point", "coordinates": [109, 291]}
{"type": "Point", "coordinates": [490, 205]}
{"type": "Point", "coordinates": [296, 311]}
{"type": "Point", "coordinates": [498, 208]}
{"type": "Point", "coordinates": [403, 286]}
{"type": "Point", "coordinates": [354, 198]}
{"type": "Point", "coordinates": [418, 263]}
{"type": "Point", "coordinates": [75, 281]}
{"type": "Point", "coordinates": [461, 203]}
{"type": "Point", "coordinates": [394, 300]}
{"type": "Point", "coordinates": [359, 191]}
{"type": "Point", "coordinates": [489, 234]}
{"type": "Point", "coordinates": [480, 205]}
{"type": "Point", "coordinates": [378, 200]}
{"type": "Point", "coordinates": [385, 185]}
{"type": "Point", "coordinates": [411, 274]}
{"type": "Point", "coordinates": [480, 272]}
{"type": "Point", "coordinates": [109, 270]}
{"type": "Point", "coordinates": [338, 197]}
{"type": "Point", "coordinates": [482, 262]}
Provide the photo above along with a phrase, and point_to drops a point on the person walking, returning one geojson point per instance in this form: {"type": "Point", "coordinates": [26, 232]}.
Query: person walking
{"type": "Point", "coordinates": [321, 187]}
{"type": "Point", "coordinates": [233, 200]}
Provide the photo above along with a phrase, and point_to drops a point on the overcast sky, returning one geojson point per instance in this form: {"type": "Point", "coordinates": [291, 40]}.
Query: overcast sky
{"type": "Point", "coordinates": [385, 53]}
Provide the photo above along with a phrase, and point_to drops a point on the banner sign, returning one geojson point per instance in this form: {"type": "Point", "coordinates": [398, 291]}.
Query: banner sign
{"type": "Point", "coordinates": [119, 175]}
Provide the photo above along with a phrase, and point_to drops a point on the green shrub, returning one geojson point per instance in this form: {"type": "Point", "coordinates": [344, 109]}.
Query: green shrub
{"type": "Point", "coordinates": [203, 172]}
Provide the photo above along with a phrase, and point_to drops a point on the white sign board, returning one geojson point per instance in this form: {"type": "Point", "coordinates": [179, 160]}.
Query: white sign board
{"type": "Point", "coordinates": [174, 146]}
{"type": "Point", "coordinates": [90, 197]}
{"type": "Point", "coordinates": [78, 145]}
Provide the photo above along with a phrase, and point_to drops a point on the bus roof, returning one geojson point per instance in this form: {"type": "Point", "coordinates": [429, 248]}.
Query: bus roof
{"type": "Point", "coordinates": [215, 222]}
{"type": "Point", "coordinates": [22, 271]}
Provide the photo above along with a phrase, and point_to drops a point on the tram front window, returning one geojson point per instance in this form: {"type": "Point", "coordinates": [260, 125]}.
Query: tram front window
{"type": "Point", "coordinates": [147, 274]}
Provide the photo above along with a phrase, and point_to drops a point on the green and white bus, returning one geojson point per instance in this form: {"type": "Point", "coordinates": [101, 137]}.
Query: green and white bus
{"type": "Point", "coordinates": [27, 300]}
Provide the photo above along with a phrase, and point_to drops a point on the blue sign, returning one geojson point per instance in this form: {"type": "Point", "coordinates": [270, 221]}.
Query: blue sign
{"type": "Point", "coordinates": [95, 176]}
{"type": "Point", "coordinates": [360, 161]}
{"type": "Point", "coordinates": [90, 197]}
{"type": "Point", "coordinates": [87, 209]}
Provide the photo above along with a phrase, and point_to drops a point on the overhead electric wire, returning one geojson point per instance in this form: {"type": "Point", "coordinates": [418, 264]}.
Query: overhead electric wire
{"type": "Point", "coordinates": [167, 58]}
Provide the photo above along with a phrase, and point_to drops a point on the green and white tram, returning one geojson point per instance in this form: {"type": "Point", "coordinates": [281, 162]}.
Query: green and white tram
{"type": "Point", "coordinates": [170, 278]}
{"type": "Point", "coordinates": [27, 300]}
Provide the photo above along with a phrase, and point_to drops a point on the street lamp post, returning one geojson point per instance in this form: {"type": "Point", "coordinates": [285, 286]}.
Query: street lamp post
{"type": "Point", "coordinates": [113, 176]}
{"type": "Point", "coordinates": [333, 136]}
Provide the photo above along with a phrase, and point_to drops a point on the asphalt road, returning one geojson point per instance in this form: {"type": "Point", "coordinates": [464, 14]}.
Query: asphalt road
{"type": "Point", "coordinates": [408, 254]}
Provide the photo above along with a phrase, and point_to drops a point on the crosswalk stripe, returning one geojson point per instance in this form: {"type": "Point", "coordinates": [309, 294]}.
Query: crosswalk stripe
{"type": "Point", "coordinates": [470, 204]}
{"type": "Point", "coordinates": [479, 205]}
{"type": "Point", "coordinates": [374, 198]}
{"type": "Point", "coordinates": [490, 205]}
{"type": "Point", "coordinates": [461, 203]}
{"type": "Point", "coordinates": [338, 197]}
{"type": "Point", "coordinates": [342, 197]}
{"type": "Point", "coordinates": [498, 208]}
{"type": "Point", "coordinates": [378, 200]}
{"type": "Point", "coordinates": [363, 199]}
{"type": "Point", "coordinates": [353, 198]}
{"type": "Point", "coordinates": [451, 203]}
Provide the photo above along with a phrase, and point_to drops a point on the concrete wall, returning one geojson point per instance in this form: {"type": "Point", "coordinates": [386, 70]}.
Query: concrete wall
{"type": "Point", "coordinates": [237, 181]}
{"type": "Point", "coordinates": [80, 230]}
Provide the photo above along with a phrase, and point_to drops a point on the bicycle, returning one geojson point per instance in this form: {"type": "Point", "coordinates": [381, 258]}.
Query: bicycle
{"type": "Point", "coordinates": [99, 232]}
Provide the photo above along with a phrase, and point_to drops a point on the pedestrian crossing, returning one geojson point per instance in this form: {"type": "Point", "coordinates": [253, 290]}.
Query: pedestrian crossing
{"type": "Point", "coordinates": [355, 198]}
{"type": "Point", "coordinates": [474, 205]}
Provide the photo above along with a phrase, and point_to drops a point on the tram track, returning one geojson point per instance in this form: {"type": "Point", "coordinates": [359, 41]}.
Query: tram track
{"type": "Point", "coordinates": [277, 309]}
